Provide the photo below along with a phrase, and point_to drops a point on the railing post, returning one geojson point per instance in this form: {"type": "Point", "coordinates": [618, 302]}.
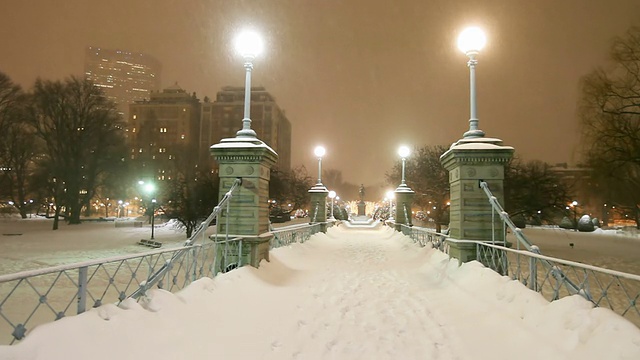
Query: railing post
{"type": "Point", "coordinates": [82, 289]}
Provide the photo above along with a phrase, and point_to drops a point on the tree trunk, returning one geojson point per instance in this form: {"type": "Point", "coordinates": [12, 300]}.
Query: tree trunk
{"type": "Point", "coordinates": [55, 218]}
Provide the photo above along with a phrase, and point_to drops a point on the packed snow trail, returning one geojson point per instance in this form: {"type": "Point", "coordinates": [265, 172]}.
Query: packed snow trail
{"type": "Point", "coordinates": [347, 294]}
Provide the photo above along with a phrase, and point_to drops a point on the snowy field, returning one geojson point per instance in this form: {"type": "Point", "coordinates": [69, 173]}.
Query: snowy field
{"type": "Point", "coordinates": [608, 249]}
{"type": "Point", "coordinates": [31, 244]}
{"type": "Point", "coordinates": [347, 294]}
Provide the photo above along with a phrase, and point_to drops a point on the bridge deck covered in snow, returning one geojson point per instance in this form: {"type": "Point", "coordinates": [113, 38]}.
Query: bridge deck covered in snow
{"type": "Point", "coordinates": [348, 294]}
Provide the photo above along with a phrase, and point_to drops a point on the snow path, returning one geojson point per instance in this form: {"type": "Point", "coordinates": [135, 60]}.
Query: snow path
{"type": "Point", "coordinates": [347, 294]}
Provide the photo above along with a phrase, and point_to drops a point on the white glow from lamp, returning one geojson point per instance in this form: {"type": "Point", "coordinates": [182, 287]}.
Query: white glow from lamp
{"type": "Point", "coordinates": [149, 188]}
{"type": "Point", "coordinates": [332, 194]}
{"type": "Point", "coordinates": [249, 44]}
{"type": "Point", "coordinates": [471, 40]}
{"type": "Point", "coordinates": [319, 151]}
{"type": "Point", "coordinates": [404, 152]}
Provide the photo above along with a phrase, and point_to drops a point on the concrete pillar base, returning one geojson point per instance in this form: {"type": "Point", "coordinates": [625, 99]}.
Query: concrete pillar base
{"type": "Point", "coordinates": [462, 251]}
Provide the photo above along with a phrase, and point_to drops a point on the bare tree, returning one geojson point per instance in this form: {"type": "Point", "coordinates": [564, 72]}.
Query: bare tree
{"type": "Point", "coordinates": [610, 117]}
{"type": "Point", "coordinates": [18, 147]}
{"type": "Point", "coordinates": [82, 134]}
{"type": "Point", "coordinates": [290, 187]}
{"type": "Point", "coordinates": [533, 191]}
{"type": "Point", "coordinates": [426, 176]}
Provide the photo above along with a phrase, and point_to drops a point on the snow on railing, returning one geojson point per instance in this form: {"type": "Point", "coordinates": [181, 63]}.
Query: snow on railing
{"type": "Point", "coordinates": [30, 298]}
{"type": "Point", "coordinates": [551, 277]}
{"type": "Point", "coordinates": [294, 234]}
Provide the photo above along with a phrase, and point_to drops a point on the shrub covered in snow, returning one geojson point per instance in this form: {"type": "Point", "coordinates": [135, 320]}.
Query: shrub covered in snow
{"type": "Point", "coordinates": [585, 224]}
{"type": "Point", "coordinates": [566, 223]}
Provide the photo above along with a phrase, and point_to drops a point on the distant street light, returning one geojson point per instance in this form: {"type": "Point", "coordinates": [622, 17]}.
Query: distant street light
{"type": "Point", "coordinates": [319, 151]}
{"type": "Point", "coordinates": [390, 196]}
{"type": "Point", "coordinates": [404, 152]}
{"type": "Point", "coordinates": [332, 195]}
{"type": "Point", "coordinates": [149, 188]}
{"type": "Point", "coordinates": [470, 42]}
{"type": "Point", "coordinates": [249, 45]}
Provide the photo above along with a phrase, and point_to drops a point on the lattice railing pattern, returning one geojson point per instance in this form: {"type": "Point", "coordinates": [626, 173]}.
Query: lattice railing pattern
{"type": "Point", "coordinates": [553, 278]}
{"type": "Point", "coordinates": [298, 234]}
{"type": "Point", "coordinates": [31, 298]}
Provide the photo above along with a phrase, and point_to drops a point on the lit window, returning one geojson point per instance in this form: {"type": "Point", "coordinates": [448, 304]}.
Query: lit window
{"type": "Point", "coordinates": [140, 150]}
{"type": "Point", "coordinates": [135, 117]}
{"type": "Point", "coordinates": [182, 136]}
{"type": "Point", "coordinates": [133, 130]}
{"type": "Point", "coordinates": [153, 157]}
{"type": "Point", "coordinates": [163, 129]}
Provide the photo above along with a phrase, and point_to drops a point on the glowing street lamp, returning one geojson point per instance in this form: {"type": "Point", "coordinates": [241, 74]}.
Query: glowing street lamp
{"type": "Point", "coordinates": [319, 151]}
{"type": "Point", "coordinates": [574, 205]}
{"type": "Point", "coordinates": [390, 196]}
{"type": "Point", "coordinates": [149, 188]}
{"type": "Point", "coordinates": [404, 152]}
{"type": "Point", "coordinates": [332, 195]}
{"type": "Point", "coordinates": [248, 44]}
{"type": "Point", "coordinates": [470, 42]}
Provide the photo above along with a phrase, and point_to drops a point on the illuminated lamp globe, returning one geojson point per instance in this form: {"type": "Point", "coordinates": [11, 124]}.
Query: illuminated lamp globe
{"type": "Point", "coordinates": [332, 194]}
{"type": "Point", "coordinates": [149, 188]}
{"type": "Point", "coordinates": [319, 151]}
{"type": "Point", "coordinates": [471, 40]}
{"type": "Point", "coordinates": [249, 44]}
{"type": "Point", "coordinates": [404, 152]}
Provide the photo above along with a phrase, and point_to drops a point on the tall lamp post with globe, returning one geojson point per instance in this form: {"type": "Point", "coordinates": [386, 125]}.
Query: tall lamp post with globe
{"type": "Point", "coordinates": [249, 45]}
{"type": "Point", "coordinates": [318, 194]}
{"type": "Point", "coordinates": [332, 195]}
{"type": "Point", "coordinates": [149, 189]}
{"type": "Point", "coordinates": [472, 160]}
{"type": "Point", "coordinates": [246, 161]}
{"type": "Point", "coordinates": [403, 194]}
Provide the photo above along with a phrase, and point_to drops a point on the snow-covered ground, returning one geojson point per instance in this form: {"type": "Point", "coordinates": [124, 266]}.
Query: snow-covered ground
{"type": "Point", "coordinates": [608, 249]}
{"type": "Point", "coordinates": [347, 294]}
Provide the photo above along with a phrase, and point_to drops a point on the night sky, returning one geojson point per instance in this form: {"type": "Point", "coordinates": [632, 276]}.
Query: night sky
{"type": "Point", "coordinates": [360, 77]}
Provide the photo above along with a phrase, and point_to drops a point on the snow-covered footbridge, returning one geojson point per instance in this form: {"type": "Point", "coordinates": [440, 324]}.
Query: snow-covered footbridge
{"type": "Point", "coordinates": [349, 293]}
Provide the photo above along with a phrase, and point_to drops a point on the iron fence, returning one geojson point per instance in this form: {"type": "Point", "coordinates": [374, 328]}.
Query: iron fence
{"type": "Point", "coordinates": [294, 234]}
{"type": "Point", "coordinates": [551, 277]}
{"type": "Point", "coordinates": [30, 298]}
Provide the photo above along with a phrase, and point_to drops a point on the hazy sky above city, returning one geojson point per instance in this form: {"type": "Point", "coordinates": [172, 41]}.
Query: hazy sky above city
{"type": "Point", "coordinates": [360, 77]}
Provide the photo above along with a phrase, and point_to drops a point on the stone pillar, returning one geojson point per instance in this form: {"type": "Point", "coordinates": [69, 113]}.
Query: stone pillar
{"type": "Point", "coordinates": [469, 161]}
{"type": "Point", "coordinates": [251, 160]}
{"type": "Point", "coordinates": [404, 199]}
{"type": "Point", "coordinates": [318, 201]}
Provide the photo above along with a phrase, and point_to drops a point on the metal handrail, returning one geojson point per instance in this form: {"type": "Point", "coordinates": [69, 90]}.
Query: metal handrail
{"type": "Point", "coordinates": [315, 213]}
{"type": "Point", "coordinates": [158, 275]}
{"type": "Point", "coordinates": [214, 214]}
{"type": "Point", "coordinates": [521, 239]}
{"type": "Point", "coordinates": [293, 234]}
{"type": "Point", "coordinates": [602, 287]}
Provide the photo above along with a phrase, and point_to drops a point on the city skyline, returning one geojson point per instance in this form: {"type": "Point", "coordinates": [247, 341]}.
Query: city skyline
{"type": "Point", "coordinates": [360, 78]}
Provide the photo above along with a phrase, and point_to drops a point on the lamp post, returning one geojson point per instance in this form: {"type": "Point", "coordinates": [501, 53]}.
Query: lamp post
{"type": "Point", "coordinates": [319, 151]}
{"type": "Point", "coordinates": [249, 45]}
{"type": "Point", "coordinates": [404, 152]}
{"type": "Point", "coordinates": [470, 42]}
{"type": "Point", "coordinates": [149, 188]}
{"type": "Point", "coordinates": [390, 196]}
{"type": "Point", "coordinates": [332, 195]}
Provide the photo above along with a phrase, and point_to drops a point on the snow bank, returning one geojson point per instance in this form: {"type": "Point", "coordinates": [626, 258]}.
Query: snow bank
{"type": "Point", "coordinates": [347, 294]}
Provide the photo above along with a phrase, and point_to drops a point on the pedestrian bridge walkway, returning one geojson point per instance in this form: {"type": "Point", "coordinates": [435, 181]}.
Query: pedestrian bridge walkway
{"type": "Point", "coordinates": [352, 293]}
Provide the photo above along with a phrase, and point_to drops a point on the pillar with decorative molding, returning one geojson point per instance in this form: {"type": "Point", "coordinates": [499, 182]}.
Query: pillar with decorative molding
{"type": "Point", "coordinates": [251, 160]}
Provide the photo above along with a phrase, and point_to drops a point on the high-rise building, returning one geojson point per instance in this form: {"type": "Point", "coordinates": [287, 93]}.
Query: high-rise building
{"type": "Point", "coordinates": [162, 134]}
{"type": "Point", "coordinates": [125, 77]}
{"type": "Point", "coordinates": [223, 118]}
